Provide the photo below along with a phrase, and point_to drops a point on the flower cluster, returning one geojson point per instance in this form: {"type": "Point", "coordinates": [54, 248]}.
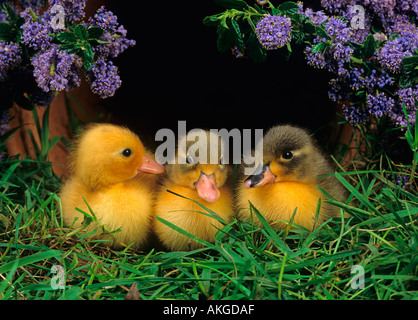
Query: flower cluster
{"type": "Point", "coordinates": [104, 79]}
{"type": "Point", "coordinates": [370, 89]}
{"type": "Point", "coordinates": [10, 57]}
{"type": "Point", "coordinates": [273, 32]}
{"type": "Point", "coordinates": [336, 54]}
{"type": "Point", "coordinates": [45, 58]}
{"type": "Point", "coordinates": [114, 34]}
{"type": "Point", "coordinates": [55, 70]}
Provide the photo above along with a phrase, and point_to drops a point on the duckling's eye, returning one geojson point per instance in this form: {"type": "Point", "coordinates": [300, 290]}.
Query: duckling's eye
{"type": "Point", "coordinates": [127, 152]}
{"type": "Point", "coordinates": [287, 155]}
{"type": "Point", "coordinates": [189, 160]}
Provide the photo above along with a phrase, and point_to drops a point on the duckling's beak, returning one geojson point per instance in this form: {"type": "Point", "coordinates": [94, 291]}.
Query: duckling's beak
{"type": "Point", "coordinates": [150, 166]}
{"type": "Point", "coordinates": [256, 180]}
{"type": "Point", "coordinates": [206, 187]}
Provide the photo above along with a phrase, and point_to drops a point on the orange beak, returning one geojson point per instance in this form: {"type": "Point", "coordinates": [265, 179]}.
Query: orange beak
{"type": "Point", "coordinates": [206, 188]}
{"type": "Point", "coordinates": [150, 166]}
{"type": "Point", "coordinates": [256, 180]}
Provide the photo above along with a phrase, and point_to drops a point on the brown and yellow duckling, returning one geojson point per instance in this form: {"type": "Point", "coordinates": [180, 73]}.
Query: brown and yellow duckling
{"type": "Point", "coordinates": [293, 167]}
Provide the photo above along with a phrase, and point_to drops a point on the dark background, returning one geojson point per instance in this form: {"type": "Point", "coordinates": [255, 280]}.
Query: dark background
{"type": "Point", "coordinates": [176, 73]}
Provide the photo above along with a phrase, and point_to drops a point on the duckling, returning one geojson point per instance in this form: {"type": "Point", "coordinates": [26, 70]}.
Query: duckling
{"type": "Point", "coordinates": [292, 169]}
{"type": "Point", "coordinates": [113, 173]}
{"type": "Point", "coordinates": [206, 183]}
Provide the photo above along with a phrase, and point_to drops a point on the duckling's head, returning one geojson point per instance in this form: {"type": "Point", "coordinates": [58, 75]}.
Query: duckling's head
{"type": "Point", "coordinates": [105, 154]}
{"type": "Point", "coordinates": [200, 165]}
{"type": "Point", "coordinates": [289, 154]}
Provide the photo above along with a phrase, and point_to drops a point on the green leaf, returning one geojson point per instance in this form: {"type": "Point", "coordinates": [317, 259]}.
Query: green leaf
{"type": "Point", "coordinates": [288, 7]}
{"type": "Point", "coordinates": [6, 32]}
{"type": "Point", "coordinates": [255, 50]}
{"type": "Point", "coordinates": [8, 9]}
{"type": "Point", "coordinates": [320, 47]}
{"type": "Point", "coordinates": [238, 41]}
{"type": "Point", "coordinates": [94, 32]}
{"type": "Point", "coordinates": [66, 37]}
{"type": "Point", "coordinates": [81, 32]}
{"type": "Point", "coordinates": [322, 33]}
{"type": "Point", "coordinates": [407, 80]}
{"type": "Point", "coordinates": [71, 48]}
{"type": "Point", "coordinates": [88, 57]}
{"type": "Point", "coordinates": [21, 262]}
{"type": "Point", "coordinates": [232, 4]}
{"type": "Point", "coordinates": [370, 46]}
{"type": "Point", "coordinates": [211, 21]}
{"type": "Point", "coordinates": [226, 39]}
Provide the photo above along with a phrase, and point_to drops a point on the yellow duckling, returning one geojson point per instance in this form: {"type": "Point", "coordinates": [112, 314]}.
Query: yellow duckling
{"type": "Point", "coordinates": [205, 183]}
{"type": "Point", "coordinates": [293, 167]}
{"type": "Point", "coordinates": [108, 171]}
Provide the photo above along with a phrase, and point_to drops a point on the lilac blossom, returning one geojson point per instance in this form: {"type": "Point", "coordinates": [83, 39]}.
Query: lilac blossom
{"type": "Point", "coordinates": [104, 78]}
{"type": "Point", "coordinates": [273, 32]}
{"type": "Point", "coordinates": [394, 51]}
{"type": "Point", "coordinates": [35, 30]}
{"type": "Point", "coordinates": [113, 33]}
{"type": "Point", "coordinates": [379, 105]}
{"type": "Point", "coordinates": [10, 57]}
{"type": "Point", "coordinates": [55, 69]}
{"type": "Point", "coordinates": [74, 9]}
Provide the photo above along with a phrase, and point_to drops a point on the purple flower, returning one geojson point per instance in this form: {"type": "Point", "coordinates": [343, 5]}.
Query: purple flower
{"type": "Point", "coordinates": [35, 31]}
{"type": "Point", "coordinates": [74, 9]}
{"type": "Point", "coordinates": [382, 8]}
{"type": "Point", "coordinates": [337, 30]}
{"type": "Point", "coordinates": [341, 55]}
{"type": "Point", "coordinates": [335, 6]}
{"type": "Point", "coordinates": [41, 98]}
{"type": "Point", "coordinates": [377, 79]}
{"type": "Point", "coordinates": [10, 57]}
{"type": "Point", "coordinates": [104, 78]}
{"type": "Point", "coordinates": [393, 52]}
{"type": "Point", "coordinates": [114, 34]}
{"type": "Point", "coordinates": [55, 69]}
{"type": "Point", "coordinates": [356, 114]}
{"type": "Point", "coordinates": [401, 180]}
{"type": "Point", "coordinates": [35, 5]}
{"type": "Point", "coordinates": [407, 97]}
{"type": "Point", "coordinates": [273, 32]}
{"type": "Point", "coordinates": [400, 24]}
{"type": "Point", "coordinates": [379, 105]}
{"type": "Point", "coordinates": [317, 17]}
{"type": "Point", "coordinates": [316, 60]}
{"type": "Point", "coordinates": [105, 19]}
{"type": "Point", "coordinates": [397, 116]}
{"type": "Point", "coordinates": [336, 90]}
{"type": "Point", "coordinates": [4, 122]}
{"type": "Point", "coordinates": [117, 43]}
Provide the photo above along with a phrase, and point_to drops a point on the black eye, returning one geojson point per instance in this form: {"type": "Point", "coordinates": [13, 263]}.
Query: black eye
{"type": "Point", "coordinates": [287, 155]}
{"type": "Point", "coordinates": [127, 152]}
{"type": "Point", "coordinates": [189, 160]}
{"type": "Point", "coordinates": [221, 161]}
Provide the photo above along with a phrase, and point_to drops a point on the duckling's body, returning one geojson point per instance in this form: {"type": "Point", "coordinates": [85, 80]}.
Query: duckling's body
{"type": "Point", "coordinates": [113, 184]}
{"type": "Point", "coordinates": [293, 167]}
{"type": "Point", "coordinates": [205, 183]}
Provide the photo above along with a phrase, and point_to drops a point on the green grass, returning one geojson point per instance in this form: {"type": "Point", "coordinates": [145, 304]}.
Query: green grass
{"type": "Point", "coordinates": [245, 262]}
